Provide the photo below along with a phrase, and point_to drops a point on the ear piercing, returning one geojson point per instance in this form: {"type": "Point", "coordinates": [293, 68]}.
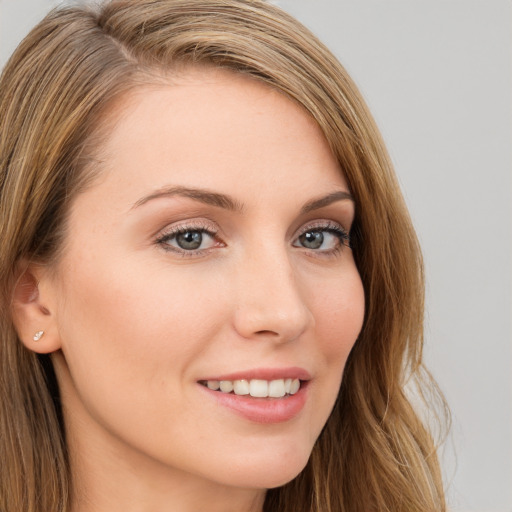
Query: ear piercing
{"type": "Point", "coordinates": [38, 335]}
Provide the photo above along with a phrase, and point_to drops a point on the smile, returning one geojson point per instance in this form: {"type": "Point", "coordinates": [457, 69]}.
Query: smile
{"type": "Point", "coordinates": [257, 388]}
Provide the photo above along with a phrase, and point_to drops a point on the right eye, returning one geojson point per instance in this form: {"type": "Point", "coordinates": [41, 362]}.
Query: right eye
{"type": "Point", "coordinates": [323, 237]}
{"type": "Point", "coordinates": [188, 240]}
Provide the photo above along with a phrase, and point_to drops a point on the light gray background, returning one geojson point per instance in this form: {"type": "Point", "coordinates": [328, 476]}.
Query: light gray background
{"type": "Point", "coordinates": [438, 77]}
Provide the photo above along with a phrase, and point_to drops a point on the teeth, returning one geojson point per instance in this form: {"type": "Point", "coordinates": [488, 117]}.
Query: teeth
{"type": "Point", "coordinates": [241, 387]}
{"type": "Point", "coordinates": [226, 386]}
{"type": "Point", "coordinates": [256, 387]}
{"type": "Point", "coordinates": [294, 386]}
{"type": "Point", "coordinates": [276, 388]}
{"type": "Point", "coordinates": [213, 384]}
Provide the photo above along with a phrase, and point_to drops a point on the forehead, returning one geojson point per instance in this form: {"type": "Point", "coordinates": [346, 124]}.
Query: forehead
{"type": "Point", "coordinates": [213, 128]}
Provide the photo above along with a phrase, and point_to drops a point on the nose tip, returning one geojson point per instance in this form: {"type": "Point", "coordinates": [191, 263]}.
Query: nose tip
{"type": "Point", "coordinates": [274, 322]}
{"type": "Point", "coordinates": [270, 306]}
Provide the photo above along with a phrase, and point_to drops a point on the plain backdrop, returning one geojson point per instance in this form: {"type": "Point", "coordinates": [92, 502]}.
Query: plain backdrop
{"type": "Point", "coordinates": [437, 75]}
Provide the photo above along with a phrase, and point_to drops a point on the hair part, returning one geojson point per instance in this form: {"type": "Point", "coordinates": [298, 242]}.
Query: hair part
{"type": "Point", "coordinates": [57, 102]}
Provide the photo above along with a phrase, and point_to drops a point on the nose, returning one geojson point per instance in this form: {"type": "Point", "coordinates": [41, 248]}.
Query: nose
{"type": "Point", "coordinates": [269, 300]}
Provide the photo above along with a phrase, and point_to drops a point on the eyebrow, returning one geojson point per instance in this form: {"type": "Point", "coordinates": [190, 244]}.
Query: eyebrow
{"type": "Point", "coordinates": [322, 202]}
{"type": "Point", "coordinates": [201, 195]}
{"type": "Point", "coordinates": [228, 203]}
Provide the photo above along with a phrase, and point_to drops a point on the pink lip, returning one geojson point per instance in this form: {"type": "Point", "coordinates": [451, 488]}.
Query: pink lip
{"type": "Point", "coordinates": [265, 374]}
{"type": "Point", "coordinates": [263, 410]}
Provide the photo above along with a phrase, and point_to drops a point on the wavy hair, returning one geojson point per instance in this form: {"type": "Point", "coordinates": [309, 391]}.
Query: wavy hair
{"type": "Point", "coordinates": [375, 453]}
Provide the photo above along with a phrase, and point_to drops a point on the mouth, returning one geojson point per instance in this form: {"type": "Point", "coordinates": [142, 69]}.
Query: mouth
{"type": "Point", "coordinates": [256, 388]}
{"type": "Point", "coordinates": [260, 395]}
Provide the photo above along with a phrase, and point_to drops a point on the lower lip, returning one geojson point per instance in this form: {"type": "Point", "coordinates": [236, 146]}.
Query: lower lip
{"type": "Point", "coordinates": [262, 410]}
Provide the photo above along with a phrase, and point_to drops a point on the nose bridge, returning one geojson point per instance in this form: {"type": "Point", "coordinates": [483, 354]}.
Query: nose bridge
{"type": "Point", "coordinates": [270, 303]}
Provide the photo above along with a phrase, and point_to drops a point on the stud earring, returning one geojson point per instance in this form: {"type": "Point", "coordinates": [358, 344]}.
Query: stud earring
{"type": "Point", "coordinates": [38, 335]}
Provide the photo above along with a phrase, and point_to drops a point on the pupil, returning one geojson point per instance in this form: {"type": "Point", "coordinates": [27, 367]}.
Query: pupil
{"type": "Point", "coordinates": [189, 240]}
{"type": "Point", "coordinates": [312, 239]}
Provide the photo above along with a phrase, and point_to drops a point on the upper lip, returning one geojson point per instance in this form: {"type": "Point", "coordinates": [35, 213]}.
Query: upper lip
{"type": "Point", "coordinates": [265, 374]}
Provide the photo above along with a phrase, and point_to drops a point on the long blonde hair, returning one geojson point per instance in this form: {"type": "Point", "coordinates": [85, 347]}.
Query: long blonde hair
{"type": "Point", "coordinates": [374, 454]}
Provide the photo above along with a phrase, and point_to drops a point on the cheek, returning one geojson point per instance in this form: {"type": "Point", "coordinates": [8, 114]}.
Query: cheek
{"type": "Point", "coordinates": [135, 327]}
{"type": "Point", "coordinates": [338, 310]}
{"type": "Point", "coordinates": [339, 314]}
{"type": "Point", "coordinates": [138, 314]}
{"type": "Point", "coordinates": [130, 342]}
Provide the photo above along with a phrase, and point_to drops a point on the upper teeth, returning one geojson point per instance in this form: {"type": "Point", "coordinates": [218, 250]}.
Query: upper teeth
{"type": "Point", "coordinates": [256, 387]}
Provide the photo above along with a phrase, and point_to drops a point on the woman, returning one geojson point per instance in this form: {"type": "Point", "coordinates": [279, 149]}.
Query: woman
{"type": "Point", "coordinates": [213, 294]}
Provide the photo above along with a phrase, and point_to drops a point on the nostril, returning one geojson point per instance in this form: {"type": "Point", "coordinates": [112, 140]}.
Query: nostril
{"type": "Point", "coordinates": [268, 333]}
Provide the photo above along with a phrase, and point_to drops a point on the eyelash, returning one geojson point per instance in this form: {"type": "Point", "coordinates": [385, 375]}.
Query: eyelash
{"type": "Point", "coordinates": [330, 227]}
{"type": "Point", "coordinates": [173, 232]}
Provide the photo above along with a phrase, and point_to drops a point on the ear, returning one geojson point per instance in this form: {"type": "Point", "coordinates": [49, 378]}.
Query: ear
{"type": "Point", "coordinates": [32, 313]}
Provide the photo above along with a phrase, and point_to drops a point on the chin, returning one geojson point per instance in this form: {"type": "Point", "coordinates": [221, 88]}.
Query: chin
{"type": "Point", "coordinates": [283, 478]}
{"type": "Point", "coordinates": [258, 473]}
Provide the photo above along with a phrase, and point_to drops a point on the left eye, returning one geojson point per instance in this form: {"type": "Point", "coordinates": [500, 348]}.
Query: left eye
{"type": "Point", "coordinates": [322, 239]}
{"type": "Point", "coordinates": [189, 240]}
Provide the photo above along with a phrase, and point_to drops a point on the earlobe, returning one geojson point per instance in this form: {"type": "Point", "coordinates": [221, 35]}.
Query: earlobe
{"type": "Point", "coordinates": [32, 315]}
{"type": "Point", "coordinates": [38, 335]}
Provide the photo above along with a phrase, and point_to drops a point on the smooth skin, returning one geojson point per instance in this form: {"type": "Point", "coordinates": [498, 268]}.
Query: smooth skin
{"type": "Point", "coordinates": [159, 287]}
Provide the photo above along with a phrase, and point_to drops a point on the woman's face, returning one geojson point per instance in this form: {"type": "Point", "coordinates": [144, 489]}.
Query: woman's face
{"type": "Point", "coordinates": [213, 247]}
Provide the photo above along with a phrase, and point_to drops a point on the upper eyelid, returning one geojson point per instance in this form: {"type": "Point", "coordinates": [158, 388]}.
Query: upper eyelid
{"type": "Point", "coordinates": [173, 233]}
{"type": "Point", "coordinates": [190, 225]}
{"type": "Point", "coordinates": [321, 224]}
